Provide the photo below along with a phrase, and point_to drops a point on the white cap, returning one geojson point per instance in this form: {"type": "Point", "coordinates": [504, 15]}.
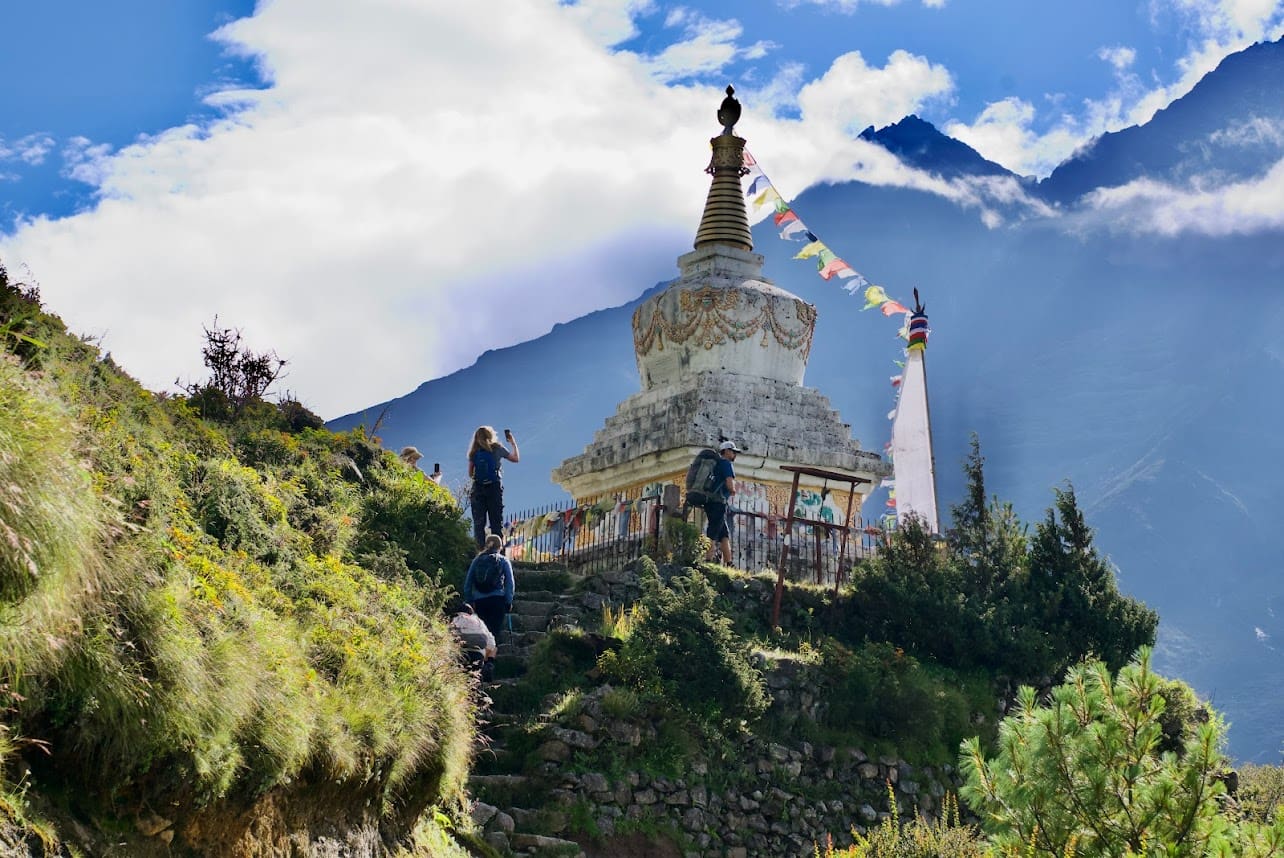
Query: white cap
{"type": "Point", "coordinates": [730, 445]}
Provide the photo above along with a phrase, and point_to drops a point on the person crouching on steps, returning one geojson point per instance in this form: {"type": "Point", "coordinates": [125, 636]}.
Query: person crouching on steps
{"type": "Point", "coordinates": [489, 585]}
{"type": "Point", "coordinates": [485, 467]}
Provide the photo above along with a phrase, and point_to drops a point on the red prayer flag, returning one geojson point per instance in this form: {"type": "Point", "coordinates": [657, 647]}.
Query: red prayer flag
{"type": "Point", "coordinates": [833, 268]}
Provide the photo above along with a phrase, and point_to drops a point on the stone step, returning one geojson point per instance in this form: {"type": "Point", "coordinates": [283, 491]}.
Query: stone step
{"type": "Point", "coordinates": [521, 636]}
{"type": "Point", "coordinates": [539, 843]}
{"type": "Point", "coordinates": [531, 607]}
{"type": "Point", "coordinates": [536, 595]}
{"type": "Point", "coordinates": [497, 781]}
{"type": "Point", "coordinates": [529, 622]}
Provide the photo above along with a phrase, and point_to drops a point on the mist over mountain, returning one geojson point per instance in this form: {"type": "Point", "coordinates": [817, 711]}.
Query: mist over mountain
{"type": "Point", "coordinates": [1146, 370]}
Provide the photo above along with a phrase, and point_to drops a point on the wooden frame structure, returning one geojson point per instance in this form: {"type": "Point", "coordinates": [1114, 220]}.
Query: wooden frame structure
{"type": "Point", "coordinates": [791, 520]}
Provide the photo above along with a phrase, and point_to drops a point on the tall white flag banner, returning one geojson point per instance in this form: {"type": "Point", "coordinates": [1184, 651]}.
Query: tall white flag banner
{"type": "Point", "coordinates": [912, 460]}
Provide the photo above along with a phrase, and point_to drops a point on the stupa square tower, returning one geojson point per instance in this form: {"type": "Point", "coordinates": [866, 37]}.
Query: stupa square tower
{"type": "Point", "coordinates": [721, 354]}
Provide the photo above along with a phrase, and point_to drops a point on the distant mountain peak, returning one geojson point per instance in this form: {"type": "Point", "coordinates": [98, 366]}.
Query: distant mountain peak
{"type": "Point", "coordinates": [1192, 138]}
{"type": "Point", "coordinates": [921, 145]}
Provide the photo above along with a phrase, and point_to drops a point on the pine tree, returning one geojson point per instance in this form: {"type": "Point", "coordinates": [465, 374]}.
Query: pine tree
{"type": "Point", "coordinates": [1086, 774]}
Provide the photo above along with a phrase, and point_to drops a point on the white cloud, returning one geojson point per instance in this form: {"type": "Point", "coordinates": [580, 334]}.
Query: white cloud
{"type": "Point", "coordinates": [1153, 207]}
{"type": "Point", "coordinates": [1261, 635]}
{"type": "Point", "coordinates": [851, 95]}
{"type": "Point", "coordinates": [1118, 56]}
{"type": "Point", "coordinates": [85, 161]}
{"type": "Point", "coordinates": [707, 46]}
{"type": "Point", "coordinates": [30, 149]}
{"type": "Point", "coordinates": [849, 6]}
{"type": "Point", "coordinates": [1258, 131]}
{"type": "Point", "coordinates": [419, 183]}
{"type": "Point", "coordinates": [609, 22]}
{"type": "Point", "coordinates": [1003, 133]}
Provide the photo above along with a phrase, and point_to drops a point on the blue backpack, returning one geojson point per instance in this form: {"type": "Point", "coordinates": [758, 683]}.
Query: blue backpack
{"type": "Point", "coordinates": [485, 467]}
{"type": "Point", "coordinates": [488, 574]}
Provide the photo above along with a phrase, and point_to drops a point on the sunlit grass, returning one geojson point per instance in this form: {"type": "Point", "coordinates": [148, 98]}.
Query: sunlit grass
{"type": "Point", "coordinates": [620, 622]}
{"type": "Point", "coordinates": [181, 622]}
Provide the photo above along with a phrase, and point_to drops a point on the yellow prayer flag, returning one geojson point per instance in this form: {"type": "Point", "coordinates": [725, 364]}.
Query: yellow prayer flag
{"type": "Point", "coordinates": [874, 297]}
{"type": "Point", "coordinates": [768, 196]}
{"type": "Point", "coordinates": [810, 250]}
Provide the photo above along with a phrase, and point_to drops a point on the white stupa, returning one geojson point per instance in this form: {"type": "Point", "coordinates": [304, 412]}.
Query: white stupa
{"type": "Point", "coordinates": [721, 354]}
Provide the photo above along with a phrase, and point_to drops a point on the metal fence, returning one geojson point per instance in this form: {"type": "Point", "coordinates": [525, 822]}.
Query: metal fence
{"type": "Point", "coordinates": [602, 533]}
{"type": "Point", "coordinates": [597, 533]}
{"type": "Point", "coordinates": [820, 552]}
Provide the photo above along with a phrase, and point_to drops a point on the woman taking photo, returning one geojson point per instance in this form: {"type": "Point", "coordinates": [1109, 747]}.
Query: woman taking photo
{"type": "Point", "coordinates": [485, 466]}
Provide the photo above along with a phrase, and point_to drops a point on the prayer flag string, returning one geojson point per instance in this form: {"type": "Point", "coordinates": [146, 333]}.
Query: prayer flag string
{"type": "Point", "coordinates": [765, 201]}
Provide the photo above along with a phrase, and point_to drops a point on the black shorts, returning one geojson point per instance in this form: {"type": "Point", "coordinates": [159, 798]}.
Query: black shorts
{"type": "Point", "coordinates": [716, 513]}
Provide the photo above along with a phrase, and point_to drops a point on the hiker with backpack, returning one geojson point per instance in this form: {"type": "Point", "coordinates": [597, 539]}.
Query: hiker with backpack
{"type": "Point", "coordinates": [711, 481]}
{"type": "Point", "coordinates": [489, 585]}
{"type": "Point", "coordinates": [485, 467]}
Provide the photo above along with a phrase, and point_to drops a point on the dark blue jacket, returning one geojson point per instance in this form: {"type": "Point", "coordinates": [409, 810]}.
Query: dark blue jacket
{"type": "Point", "coordinates": [507, 589]}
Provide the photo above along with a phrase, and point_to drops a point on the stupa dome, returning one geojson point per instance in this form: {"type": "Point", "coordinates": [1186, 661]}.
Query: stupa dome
{"type": "Point", "coordinates": [722, 316]}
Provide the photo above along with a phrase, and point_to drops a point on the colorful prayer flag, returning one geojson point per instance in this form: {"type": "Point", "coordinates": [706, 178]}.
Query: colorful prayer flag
{"type": "Point", "coordinates": [891, 308]}
{"type": "Point", "coordinates": [759, 182]}
{"type": "Point", "coordinates": [834, 266]}
{"type": "Point", "coordinates": [810, 250]}
{"type": "Point", "coordinates": [875, 297]}
{"type": "Point", "coordinates": [793, 228]}
{"type": "Point", "coordinates": [784, 217]}
{"type": "Point", "coordinates": [896, 380]}
{"type": "Point", "coordinates": [769, 194]}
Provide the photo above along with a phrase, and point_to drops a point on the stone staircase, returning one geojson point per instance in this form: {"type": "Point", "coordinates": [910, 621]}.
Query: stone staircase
{"type": "Point", "coordinates": [499, 792]}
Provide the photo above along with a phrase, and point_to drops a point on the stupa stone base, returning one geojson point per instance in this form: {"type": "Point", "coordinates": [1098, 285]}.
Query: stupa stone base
{"type": "Point", "coordinates": [655, 432]}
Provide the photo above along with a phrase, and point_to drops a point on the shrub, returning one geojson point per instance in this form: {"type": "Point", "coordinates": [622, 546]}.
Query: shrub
{"type": "Point", "coordinates": [684, 543]}
{"type": "Point", "coordinates": [878, 691]}
{"type": "Point", "coordinates": [1086, 774]}
{"type": "Point", "coordinates": [684, 653]}
{"type": "Point", "coordinates": [943, 838]}
{"type": "Point", "coordinates": [1261, 792]}
{"type": "Point", "coordinates": [422, 518]}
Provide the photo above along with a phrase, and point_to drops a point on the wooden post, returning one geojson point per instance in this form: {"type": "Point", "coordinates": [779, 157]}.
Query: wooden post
{"type": "Point", "coordinates": [842, 547]}
{"type": "Point", "coordinates": [784, 554]}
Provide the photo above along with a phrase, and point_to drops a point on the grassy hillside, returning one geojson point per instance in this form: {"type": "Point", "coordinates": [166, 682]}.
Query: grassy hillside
{"type": "Point", "coordinates": [197, 613]}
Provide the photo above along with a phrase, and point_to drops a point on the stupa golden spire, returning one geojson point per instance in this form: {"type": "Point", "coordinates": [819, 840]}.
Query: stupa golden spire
{"type": "Point", "coordinates": [724, 220]}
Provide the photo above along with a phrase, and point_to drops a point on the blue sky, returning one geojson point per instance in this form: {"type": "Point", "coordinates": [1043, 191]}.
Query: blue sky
{"type": "Point", "coordinates": [294, 166]}
{"type": "Point", "coordinates": [105, 73]}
